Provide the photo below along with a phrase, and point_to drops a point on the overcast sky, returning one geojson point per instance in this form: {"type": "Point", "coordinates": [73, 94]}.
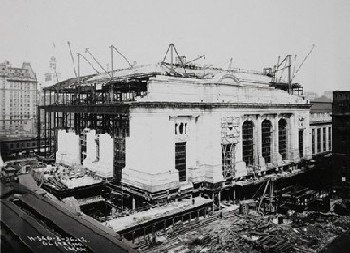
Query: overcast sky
{"type": "Point", "coordinates": [253, 33]}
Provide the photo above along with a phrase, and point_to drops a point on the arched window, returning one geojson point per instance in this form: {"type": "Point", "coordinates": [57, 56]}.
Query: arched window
{"type": "Point", "coordinates": [266, 140]}
{"type": "Point", "coordinates": [248, 148]}
{"type": "Point", "coordinates": [282, 138]}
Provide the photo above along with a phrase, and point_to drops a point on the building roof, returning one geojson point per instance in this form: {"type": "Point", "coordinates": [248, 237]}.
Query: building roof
{"type": "Point", "coordinates": [40, 216]}
{"type": "Point", "coordinates": [25, 73]}
{"type": "Point", "coordinates": [321, 106]}
{"type": "Point", "coordinates": [209, 74]}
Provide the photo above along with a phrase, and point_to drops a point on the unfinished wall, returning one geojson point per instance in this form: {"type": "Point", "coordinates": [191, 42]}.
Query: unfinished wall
{"type": "Point", "coordinates": [99, 153]}
{"type": "Point", "coordinates": [170, 89]}
{"type": "Point", "coordinates": [68, 147]}
{"type": "Point", "coordinates": [149, 161]}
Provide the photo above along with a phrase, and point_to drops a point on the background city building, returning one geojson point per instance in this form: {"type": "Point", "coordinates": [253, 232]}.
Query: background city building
{"type": "Point", "coordinates": [341, 138]}
{"type": "Point", "coordinates": [18, 94]}
{"type": "Point", "coordinates": [321, 126]}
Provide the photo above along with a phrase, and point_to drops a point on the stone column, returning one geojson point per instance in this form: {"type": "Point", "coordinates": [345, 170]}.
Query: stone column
{"type": "Point", "coordinates": [240, 166]}
{"type": "Point", "coordinates": [327, 138]}
{"type": "Point", "coordinates": [276, 157]}
{"type": "Point", "coordinates": [315, 140]}
{"type": "Point", "coordinates": [294, 139]}
{"type": "Point", "coordinates": [259, 159]}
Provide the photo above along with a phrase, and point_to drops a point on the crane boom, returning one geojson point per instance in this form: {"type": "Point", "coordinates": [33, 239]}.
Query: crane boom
{"type": "Point", "coordinates": [92, 66]}
{"type": "Point", "coordinates": [196, 59]}
{"type": "Point", "coordinates": [72, 57]}
{"type": "Point", "coordinates": [305, 58]}
{"type": "Point", "coordinates": [87, 51]}
{"type": "Point", "coordinates": [126, 59]}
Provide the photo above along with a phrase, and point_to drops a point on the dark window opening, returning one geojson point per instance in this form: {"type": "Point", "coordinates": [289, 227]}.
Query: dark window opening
{"type": "Point", "coordinates": [181, 128]}
{"type": "Point", "coordinates": [176, 128]}
{"type": "Point", "coordinates": [329, 138]}
{"type": "Point", "coordinates": [248, 144]}
{"type": "Point", "coordinates": [301, 143]}
{"type": "Point", "coordinates": [180, 160]}
{"type": "Point", "coordinates": [282, 138]}
{"type": "Point", "coordinates": [324, 139]}
{"type": "Point", "coordinates": [313, 141]}
{"type": "Point", "coordinates": [318, 140]}
{"type": "Point", "coordinates": [266, 140]}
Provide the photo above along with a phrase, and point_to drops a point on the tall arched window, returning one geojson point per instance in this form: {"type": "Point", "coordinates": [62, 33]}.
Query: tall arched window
{"type": "Point", "coordinates": [266, 140]}
{"type": "Point", "coordinates": [282, 138]}
{"type": "Point", "coordinates": [248, 148]}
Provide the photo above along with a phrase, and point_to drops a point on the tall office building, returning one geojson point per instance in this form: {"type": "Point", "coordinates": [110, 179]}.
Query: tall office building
{"type": "Point", "coordinates": [341, 137]}
{"type": "Point", "coordinates": [18, 100]}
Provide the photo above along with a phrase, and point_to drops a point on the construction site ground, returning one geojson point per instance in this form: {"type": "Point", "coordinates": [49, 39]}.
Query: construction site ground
{"type": "Point", "coordinates": [228, 231]}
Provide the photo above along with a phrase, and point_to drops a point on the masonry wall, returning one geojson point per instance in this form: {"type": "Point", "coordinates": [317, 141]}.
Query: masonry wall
{"type": "Point", "coordinates": [224, 90]}
{"type": "Point", "coordinates": [150, 149]}
{"type": "Point", "coordinates": [68, 148]}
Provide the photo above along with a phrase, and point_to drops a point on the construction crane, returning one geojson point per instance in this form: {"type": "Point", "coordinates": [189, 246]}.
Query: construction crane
{"type": "Point", "coordinates": [72, 57]}
{"type": "Point", "coordinates": [302, 63]}
{"type": "Point", "coordinates": [196, 59]}
{"type": "Point", "coordinates": [126, 59]}
{"type": "Point", "coordinates": [93, 57]}
{"type": "Point", "coordinates": [92, 66]}
{"type": "Point", "coordinates": [172, 48]}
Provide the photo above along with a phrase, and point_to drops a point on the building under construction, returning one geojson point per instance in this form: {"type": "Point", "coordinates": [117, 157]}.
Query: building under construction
{"type": "Point", "coordinates": [163, 131]}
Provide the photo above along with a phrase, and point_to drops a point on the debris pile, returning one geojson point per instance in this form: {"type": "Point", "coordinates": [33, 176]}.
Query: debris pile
{"type": "Point", "coordinates": [62, 177]}
{"type": "Point", "coordinates": [301, 232]}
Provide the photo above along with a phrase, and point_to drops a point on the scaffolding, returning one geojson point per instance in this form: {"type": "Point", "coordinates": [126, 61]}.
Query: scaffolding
{"type": "Point", "coordinates": [76, 105]}
{"type": "Point", "coordinates": [230, 134]}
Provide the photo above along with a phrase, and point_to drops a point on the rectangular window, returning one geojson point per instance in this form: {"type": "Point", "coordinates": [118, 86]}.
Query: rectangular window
{"type": "Point", "coordinates": [324, 139]}
{"type": "Point", "coordinates": [329, 138]}
{"type": "Point", "coordinates": [313, 141]}
{"type": "Point", "coordinates": [318, 140]}
{"type": "Point", "coordinates": [301, 143]}
{"type": "Point", "coordinates": [180, 160]}
{"type": "Point", "coordinates": [248, 143]}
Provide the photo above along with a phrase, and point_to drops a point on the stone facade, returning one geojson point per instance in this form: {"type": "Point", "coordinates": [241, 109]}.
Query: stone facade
{"type": "Point", "coordinates": [201, 106]}
{"type": "Point", "coordinates": [184, 131]}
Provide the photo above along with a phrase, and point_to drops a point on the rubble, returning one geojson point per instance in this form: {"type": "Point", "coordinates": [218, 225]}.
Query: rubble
{"type": "Point", "coordinates": [302, 232]}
